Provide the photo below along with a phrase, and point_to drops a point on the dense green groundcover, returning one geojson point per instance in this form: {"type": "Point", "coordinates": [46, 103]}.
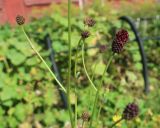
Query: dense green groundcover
{"type": "Point", "coordinates": [28, 95]}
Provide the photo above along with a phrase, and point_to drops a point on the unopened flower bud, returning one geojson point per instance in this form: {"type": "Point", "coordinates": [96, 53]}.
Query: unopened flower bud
{"type": "Point", "coordinates": [90, 22]}
{"type": "Point", "coordinates": [85, 116]}
{"type": "Point", "coordinates": [20, 20]}
{"type": "Point", "coordinates": [85, 34]}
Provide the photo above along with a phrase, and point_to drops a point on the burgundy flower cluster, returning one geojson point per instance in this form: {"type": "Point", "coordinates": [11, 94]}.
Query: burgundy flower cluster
{"type": "Point", "coordinates": [120, 40]}
{"type": "Point", "coordinates": [131, 111]}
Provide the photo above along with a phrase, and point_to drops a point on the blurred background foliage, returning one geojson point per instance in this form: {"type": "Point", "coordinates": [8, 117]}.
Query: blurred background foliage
{"type": "Point", "coordinates": [28, 96]}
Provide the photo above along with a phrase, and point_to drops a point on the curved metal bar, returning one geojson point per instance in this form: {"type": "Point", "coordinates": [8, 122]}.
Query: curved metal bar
{"type": "Point", "coordinates": [141, 50]}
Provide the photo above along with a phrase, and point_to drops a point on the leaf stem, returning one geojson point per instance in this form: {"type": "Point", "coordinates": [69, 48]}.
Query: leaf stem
{"type": "Point", "coordinates": [99, 87]}
{"type": "Point", "coordinates": [32, 46]}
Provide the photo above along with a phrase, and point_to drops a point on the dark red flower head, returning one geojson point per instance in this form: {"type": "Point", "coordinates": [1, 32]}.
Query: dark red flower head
{"type": "Point", "coordinates": [122, 36]}
{"type": "Point", "coordinates": [20, 20]}
{"type": "Point", "coordinates": [131, 111]}
{"type": "Point", "coordinates": [90, 22]}
{"type": "Point", "coordinates": [120, 40]}
{"type": "Point", "coordinates": [85, 34]}
{"type": "Point", "coordinates": [85, 116]}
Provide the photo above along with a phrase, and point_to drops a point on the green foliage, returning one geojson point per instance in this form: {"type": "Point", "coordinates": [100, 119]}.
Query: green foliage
{"type": "Point", "coordinates": [28, 95]}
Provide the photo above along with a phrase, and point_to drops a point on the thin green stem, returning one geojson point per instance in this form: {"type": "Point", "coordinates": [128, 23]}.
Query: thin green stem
{"type": "Point", "coordinates": [99, 111]}
{"type": "Point", "coordinates": [100, 108]}
{"type": "Point", "coordinates": [86, 69]}
{"type": "Point", "coordinates": [75, 75]}
{"type": "Point", "coordinates": [32, 46]}
{"type": "Point", "coordinates": [83, 124]}
{"type": "Point", "coordinates": [99, 87]}
{"type": "Point", "coordinates": [76, 57]}
{"type": "Point", "coordinates": [90, 92]}
{"type": "Point", "coordinates": [116, 122]}
{"type": "Point", "coordinates": [93, 78]}
{"type": "Point", "coordinates": [76, 107]}
{"type": "Point", "coordinates": [69, 64]}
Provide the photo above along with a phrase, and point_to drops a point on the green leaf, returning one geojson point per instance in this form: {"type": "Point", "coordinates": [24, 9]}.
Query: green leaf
{"type": "Point", "coordinates": [1, 111]}
{"type": "Point", "coordinates": [137, 57]}
{"type": "Point", "coordinates": [1, 84]}
{"type": "Point", "coordinates": [20, 112]}
{"type": "Point", "coordinates": [58, 46]}
{"type": "Point", "coordinates": [49, 94]}
{"type": "Point", "coordinates": [3, 123]}
{"type": "Point", "coordinates": [8, 103]}
{"type": "Point", "coordinates": [138, 66]}
{"type": "Point", "coordinates": [7, 93]}
{"type": "Point", "coordinates": [12, 122]}
{"type": "Point", "coordinates": [32, 61]}
{"type": "Point", "coordinates": [16, 57]}
{"type": "Point", "coordinates": [49, 118]}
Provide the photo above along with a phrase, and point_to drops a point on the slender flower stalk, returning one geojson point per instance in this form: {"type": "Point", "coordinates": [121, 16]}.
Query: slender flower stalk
{"type": "Point", "coordinates": [98, 90]}
{"type": "Point", "coordinates": [69, 63]}
{"type": "Point", "coordinates": [76, 57]}
{"type": "Point", "coordinates": [86, 69]}
{"type": "Point", "coordinates": [99, 111]}
{"type": "Point", "coordinates": [90, 92]}
{"type": "Point", "coordinates": [83, 124]}
{"type": "Point", "coordinates": [75, 75]}
{"type": "Point", "coordinates": [32, 46]}
{"type": "Point", "coordinates": [76, 100]}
